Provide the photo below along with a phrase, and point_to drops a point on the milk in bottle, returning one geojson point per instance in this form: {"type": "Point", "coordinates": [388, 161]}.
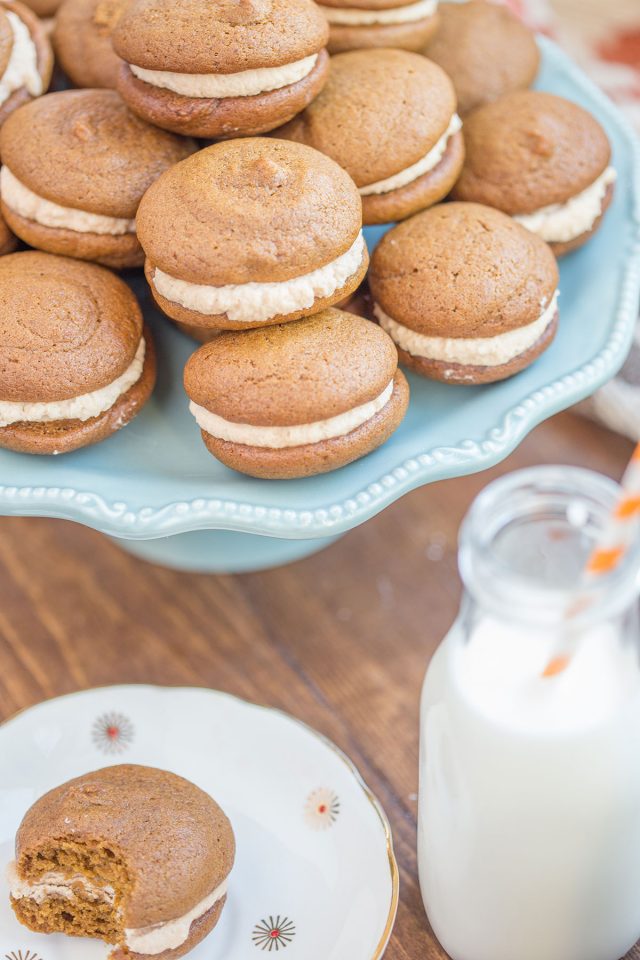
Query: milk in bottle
{"type": "Point", "coordinates": [529, 809]}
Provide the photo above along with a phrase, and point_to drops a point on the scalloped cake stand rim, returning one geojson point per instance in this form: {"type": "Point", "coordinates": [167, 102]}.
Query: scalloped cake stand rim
{"type": "Point", "coordinates": [118, 519]}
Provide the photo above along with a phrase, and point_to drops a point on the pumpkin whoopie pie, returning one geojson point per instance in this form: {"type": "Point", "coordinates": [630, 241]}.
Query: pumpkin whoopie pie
{"type": "Point", "coordinates": [358, 24]}
{"type": "Point", "coordinates": [75, 362]}
{"type": "Point", "coordinates": [131, 855]}
{"type": "Point", "coordinates": [485, 49]}
{"type": "Point", "coordinates": [26, 57]}
{"type": "Point", "coordinates": [251, 232]}
{"type": "Point", "coordinates": [542, 159]}
{"type": "Point", "coordinates": [299, 398]}
{"type": "Point", "coordinates": [467, 294]}
{"type": "Point", "coordinates": [82, 41]}
{"type": "Point", "coordinates": [370, 95]}
{"type": "Point", "coordinates": [100, 159]}
{"type": "Point", "coordinates": [221, 68]}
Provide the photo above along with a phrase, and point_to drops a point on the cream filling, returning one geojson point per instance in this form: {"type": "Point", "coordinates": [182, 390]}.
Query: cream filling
{"type": "Point", "coordinates": [476, 351]}
{"type": "Point", "coordinates": [54, 884]}
{"type": "Point", "coordinates": [28, 204]}
{"type": "Point", "coordinates": [171, 933]}
{"type": "Point", "coordinates": [278, 438]}
{"type": "Point", "coordinates": [84, 407]}
{"type": "Point", "coordinates": [150, 940]}
{"type": "Point", "coordinates": [248, 83]}
{"type": "Point", "coordinates": [359, 18]}
{"type": "Point", "coordinates": [255, 302]}
{"type": "Point", "coordinates": [418, 169]}
{"type": "Point", "coordinates": [561, 222]}
{"type": "Point", "coordinates": [22, 68]}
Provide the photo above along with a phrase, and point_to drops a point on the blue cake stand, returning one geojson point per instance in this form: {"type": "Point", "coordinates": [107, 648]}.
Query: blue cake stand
{"type": "Point", "coordinates": [154, 487]}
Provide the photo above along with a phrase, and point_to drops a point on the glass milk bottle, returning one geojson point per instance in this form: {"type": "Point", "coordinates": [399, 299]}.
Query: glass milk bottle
{"type": "Point", "coordinates": [529, 807]}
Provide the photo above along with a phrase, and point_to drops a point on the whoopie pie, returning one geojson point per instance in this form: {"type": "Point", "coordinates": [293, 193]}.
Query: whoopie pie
{"type": "Point", "coordinates": [251, 232]}
{"type": "Point", "coordinates": [76, 363]}
{"type": "Point", "coordinates": [26, 57]}
{"type": "Point", "coordinates": [221, 68]}
{"type": "Point", "coordinates": [297, 399]}
{"type": "Point", "coordinates": [100, 159]}
{"type": "Point", "coordinates": [468, 295]}
{"type": "Point", "coordinates": [134, 856]}
{"type": "Point", "coordinates": [82, 41]}
{"type": "Point", "coordinates": [542, 159]}
{"type": "Point", "coordinates": [370, 96]}
{"type": "Point", "coordinates": [485, 50]}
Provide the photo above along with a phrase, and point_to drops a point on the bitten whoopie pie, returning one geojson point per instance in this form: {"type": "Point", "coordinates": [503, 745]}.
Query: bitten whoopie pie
{"type": "Point", "coordinates": [221, 68]}
{"type": "Point", "coordinates": [26, 57]}
{"type": "Point", "coordinates": [543, 160]}
{"type": "Point", "coordinates": [99, 158]}
{"type": "Point", "coordinates": [467, 294]}
{"type": "Point", "coordinates": [370, 96]}
{"type": "Point", "coordinates": [82, 41]}
{"type": "Point", "coordinates": [251, 232]}
{"type": "Point", "coordinates": [297, 399]}
{"type": "Point", "coordinates": [357, 24]}
{"type": "Point", "coordinates": [75, 362]}
{"type": "Point", "coordinates": [485, 50]}
{"type": "Point", "coordinates": [133, 856]}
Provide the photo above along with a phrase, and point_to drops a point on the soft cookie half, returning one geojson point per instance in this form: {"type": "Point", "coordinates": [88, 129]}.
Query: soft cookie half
{"type": "Point", "coordinates": [75, 362]}
{"type": "Point", "coordinates": [297, 399]}
{"type": "Point", "coordinates": [251, 232]}
{"type": "Point", "coordinates": [131, 855]}
{"type": "Point", "coordinates": [370, 96]}
{"type": "Point", "coordinates": [221, 68]}
{"type": "Point", "coordinates": [468, 295]}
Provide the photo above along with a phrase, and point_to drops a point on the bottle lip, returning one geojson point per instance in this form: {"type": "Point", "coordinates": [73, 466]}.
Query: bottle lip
{"type": "Point", "coordinates": [588, 496]}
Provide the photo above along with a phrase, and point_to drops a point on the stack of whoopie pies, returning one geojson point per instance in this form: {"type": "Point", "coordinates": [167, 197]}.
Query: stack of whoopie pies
{"type": "Point", "coordinates": [252, 241]}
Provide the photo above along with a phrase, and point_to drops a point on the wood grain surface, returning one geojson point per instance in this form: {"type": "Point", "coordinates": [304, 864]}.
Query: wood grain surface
{"type": "Point", "coordinates": [340, 640]}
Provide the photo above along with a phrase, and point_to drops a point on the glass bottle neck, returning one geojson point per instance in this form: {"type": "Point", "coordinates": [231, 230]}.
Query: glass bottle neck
{"type": "Point", "coordinates": [525, 543]}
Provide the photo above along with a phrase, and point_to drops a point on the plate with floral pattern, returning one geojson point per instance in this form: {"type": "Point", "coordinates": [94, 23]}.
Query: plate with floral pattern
{"type": "Point", "coordinates": [315, 876]}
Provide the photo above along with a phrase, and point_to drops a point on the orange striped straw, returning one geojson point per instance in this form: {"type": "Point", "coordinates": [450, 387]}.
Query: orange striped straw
{"type": "Point", "coordinates": [619, 534]}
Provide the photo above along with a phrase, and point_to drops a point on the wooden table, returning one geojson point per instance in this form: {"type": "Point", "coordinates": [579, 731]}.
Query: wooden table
{"type": "Point", "coordinates": [341, 640]}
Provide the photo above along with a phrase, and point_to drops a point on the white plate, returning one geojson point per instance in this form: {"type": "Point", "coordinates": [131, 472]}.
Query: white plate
{"type": "Point", "coordinates": [315, 875]}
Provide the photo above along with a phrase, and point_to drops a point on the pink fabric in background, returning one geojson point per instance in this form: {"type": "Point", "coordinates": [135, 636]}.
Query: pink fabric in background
{"type": "Point", "coordinates": [603, 36]}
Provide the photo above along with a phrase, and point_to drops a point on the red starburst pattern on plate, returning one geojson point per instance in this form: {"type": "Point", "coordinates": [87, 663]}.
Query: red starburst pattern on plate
{"type": "Point", "coordinates": [22, 955]}
{"type": "Point", "coordinates": [276, 933]}
{"type": "Point", "coordinates": [112, 733]}
{"type": "Point", "coordinates": [322, 809]}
